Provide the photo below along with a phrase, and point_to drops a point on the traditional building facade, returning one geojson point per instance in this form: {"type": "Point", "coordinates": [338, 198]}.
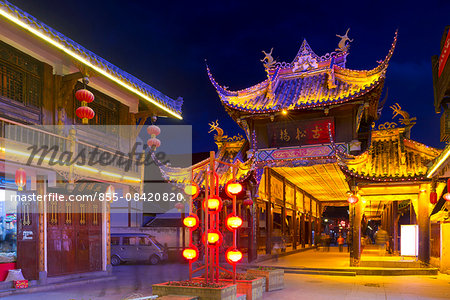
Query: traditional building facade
{"type": "Point", "coordinates": [40, 71]}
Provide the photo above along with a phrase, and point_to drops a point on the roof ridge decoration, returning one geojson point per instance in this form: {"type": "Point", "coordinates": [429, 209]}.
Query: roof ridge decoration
{"type": "Point", "coordinates": [91, 60]}
{"type": "Point", "coordinates": [308, 82]}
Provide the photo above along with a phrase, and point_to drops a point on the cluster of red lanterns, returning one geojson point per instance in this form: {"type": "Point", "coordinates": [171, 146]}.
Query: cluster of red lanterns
{"type": "Point", "coordinates": [84, 112]}
{"type": "Point", "coordinates": [153, 142]}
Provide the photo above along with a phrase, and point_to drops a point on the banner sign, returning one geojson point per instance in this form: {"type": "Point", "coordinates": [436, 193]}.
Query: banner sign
{"type": "Point", "coordinates": [444, 54]}
{"type": "Point", "coordinates": [297, 133]}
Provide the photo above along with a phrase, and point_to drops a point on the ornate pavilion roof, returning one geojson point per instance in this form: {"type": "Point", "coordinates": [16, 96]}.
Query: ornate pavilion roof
{"type": "Point", "coordinates": [391, 157]}
{"type": "Point", "coordinates": [41, 30]}
{"type": "Point", "coordinates": [309, 81]}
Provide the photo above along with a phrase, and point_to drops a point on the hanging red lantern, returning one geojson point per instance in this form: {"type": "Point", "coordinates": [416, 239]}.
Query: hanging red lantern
{"type": "Point", "coordinates": [84, 96]}
{"type": "Point", "coordinates": [433, 197]}
{"type": "Point", "coordinates": [153, 143]}
{"type": "Point", "coordinates": [233, 256]}
{"type": "Point", "coordinates": [191, 221]}
{"type": "Point", "coordinates": [85, 113]}
{"type": "Point", "coordinates": [248, 202]}
{"type": "Point", "coordinates": [233, 222]}
{"type": "Point", "coordinates": [21, 178]}
{"type": "Point", "coordinates": [233, 188]}
{"type": "Point", "coordinates": [214, 204]}
{"type": "Point", "coordinates": [191, 253]}
{"type": "Point", "coordinates": [153, 130]}
{"type": "Point", "coordinates": [192, 189]}
{"type": "Point", "coordinates": [446, 196]}
{"type": "Point", "coordinates": [179, 206]}
{"type": "Point", "coordinates": [213, 238]}
{"type": "Point", "coordinates": [352, 199]}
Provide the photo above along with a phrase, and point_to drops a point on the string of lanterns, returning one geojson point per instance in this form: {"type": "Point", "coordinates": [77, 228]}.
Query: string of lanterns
{"type": "Point", "coordinates": [84, 112]}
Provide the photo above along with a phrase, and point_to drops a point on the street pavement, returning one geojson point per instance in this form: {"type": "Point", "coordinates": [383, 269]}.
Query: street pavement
{"type": "Point", "coordinates": [136, 280]}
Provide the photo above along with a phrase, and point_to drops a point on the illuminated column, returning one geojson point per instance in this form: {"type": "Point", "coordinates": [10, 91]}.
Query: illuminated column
{"type": "Point", "coordinates": [423, 219]}
{"type": "Point", "coordinates": [269, 212]}
{"type": "Point", "coordinates": [303, 231]}
{"type": "Point", "coordinates": [355, 224]}
{"type": "Point", "coordinates": [395, 218]}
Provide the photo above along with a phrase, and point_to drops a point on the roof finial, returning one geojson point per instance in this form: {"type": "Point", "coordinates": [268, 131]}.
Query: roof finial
{"type": "Point", "coordinates": [268, 60]}
{"type": "Point", "coordinates": [344, 43]}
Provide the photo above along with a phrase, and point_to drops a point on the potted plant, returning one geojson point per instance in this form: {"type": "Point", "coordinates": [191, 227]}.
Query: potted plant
{"type": "Point", "coordinates": [274, 277]}
{"type": "Point", "coordinates": [204, 291]}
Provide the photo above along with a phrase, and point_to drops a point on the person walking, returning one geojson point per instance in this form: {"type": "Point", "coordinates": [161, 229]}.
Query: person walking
{"type": "Point", "coordinates": [381, 239]}
{"type": "Point", "coordinates": [340, 242]}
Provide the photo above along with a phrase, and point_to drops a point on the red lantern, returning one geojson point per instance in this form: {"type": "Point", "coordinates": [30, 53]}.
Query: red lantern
{"type": "Point", "coordinates": [84, 96]}
{"type": "Point", "coordinates": [179, 206]}
{"type": "Point", "coordinates": [233, 188]}
{"type": "Point", "coordinates": [21, 178]}
{"type": "Point", "coordinates": [191, 253]}
{"type": "Point", "coordinates": [153, 143]}
{"type": "Point", "coordinates": [447, 195]}
{"type": "Point", "coordinates": [352, 199]}
{"type": "Point", "coordinates": [214, 204]}
{"type": "Point", "coordinates": [433, 197]}
{"type": "Point", "coordinates": [192, 189]}
{"type": "Point", "coordinates": [248, 202]}
{"type": "Point", "coordinates": [153, 130]}
{"type": "Point", "coordinates": [213, 238]}
{"type": "Point", "coordinates": [233, 222]}
{"type": "Point", "coordinates": [85, 113]}
{"type": "Point", "coordinates": [233, 256]}
{"type": "Point", "coordinates": [191, 221]}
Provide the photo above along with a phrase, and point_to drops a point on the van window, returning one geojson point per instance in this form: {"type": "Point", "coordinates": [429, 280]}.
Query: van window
{"type": "Point", "coordinates": [115, 240]}
{"type": "Point", "coordinates": [144, 241]}
{"type": "Point", "coordinates": [129, 241]}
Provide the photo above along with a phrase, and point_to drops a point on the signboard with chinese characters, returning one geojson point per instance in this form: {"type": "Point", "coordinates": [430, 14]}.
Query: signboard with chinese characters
{"type": "Point", "coordinates": [444, 54]}
{"type": "Point", "coordinates": [297, 133]}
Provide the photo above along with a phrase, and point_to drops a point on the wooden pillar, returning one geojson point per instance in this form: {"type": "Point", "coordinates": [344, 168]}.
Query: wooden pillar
{"type": "Point", "coordinates": [395, 224]}
{"type": "Point", "coordinates": [294, 220]}
{"type": "Point", "coordinates": [355, 221]}
{"type": "Point", "coordinates": [423, 219]}
{"type": "Point", "coordinates": [269, 214]}
{"type": "Point", "coordinates": [283, 211]}
{"type": "Point", "coordinates": [310, 229]}
{"type": "Point", "coordinates": [303, 231]}
{"type": "Point", "coordinates": [41, 189]}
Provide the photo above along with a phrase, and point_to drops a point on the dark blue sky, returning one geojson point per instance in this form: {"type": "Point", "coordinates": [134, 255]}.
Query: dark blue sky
{"type": "Point", "coordinates": [165, 43]}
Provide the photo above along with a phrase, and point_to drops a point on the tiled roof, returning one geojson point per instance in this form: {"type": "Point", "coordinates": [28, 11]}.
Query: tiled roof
{"type": "Point", "coordinates": [324, 82]}
{"type": "Point", "coordinates": [10, 11]}
{"type": "Point", "coordinates": [391, 157]}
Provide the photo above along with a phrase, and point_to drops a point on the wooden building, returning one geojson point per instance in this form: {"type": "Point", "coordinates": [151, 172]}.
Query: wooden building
{"type": "Point", "coordinates": [40, 71]}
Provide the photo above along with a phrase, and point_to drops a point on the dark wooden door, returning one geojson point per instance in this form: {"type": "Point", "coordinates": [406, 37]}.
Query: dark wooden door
{"type": "Point", "coordinates": [28, 239]}
{"type": "Point", "coordinates": [74, 238]}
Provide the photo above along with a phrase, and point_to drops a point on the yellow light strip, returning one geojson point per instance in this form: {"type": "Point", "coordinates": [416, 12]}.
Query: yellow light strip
{"type": "Point", "coordinates": [84, 61]}
{"type": "Point", "coordinates": [110, 174]}
{"type": "Point", "coordinates": [128, 178]}
{"type": "Point", "coordinates": [93, 170]}
{"type": "Point", "coordinates": [438, 164]}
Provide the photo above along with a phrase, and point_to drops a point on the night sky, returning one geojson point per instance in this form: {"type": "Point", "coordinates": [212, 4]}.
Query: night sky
{"type": "Point", "coordinates": [165, 44]}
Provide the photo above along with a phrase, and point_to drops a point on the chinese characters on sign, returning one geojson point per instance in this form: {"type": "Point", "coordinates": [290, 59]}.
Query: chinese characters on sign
{"type": "Point", "coordinates": [444, 54]}
{"type": "Point", "coordinates": [298, 133]}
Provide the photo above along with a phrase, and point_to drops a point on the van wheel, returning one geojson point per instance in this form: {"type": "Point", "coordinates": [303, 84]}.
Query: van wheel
{"type": "Point", "coordinates": [115, 261]}
{"type": "Point", "coordinates": [154, 259]}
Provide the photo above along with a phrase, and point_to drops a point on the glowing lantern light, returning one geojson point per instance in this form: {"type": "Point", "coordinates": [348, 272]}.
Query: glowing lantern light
{"type": "Point", "coordinates": [191, 221]}
{"type": "Point", "coordinates": [233, 188]}
{"type": "Point", "coordinates": [248, 202]}
{"type": "Point", "coordinates": [85, 96]}
{"type": "Point", "coordinates": [179, 206]}
{"type": "Point", "coordinates": [234, 222]}
{"type": "Point", "coordinates": [153, 143]}
{"type": "Point", "coordinates": [233, 256]}
{"type": "Point", "coordinates": [284, 112]}
{"type": "Point", "coordinates": [352, 199]}
{"type": "Point", "coordinates": [433, 197]}
{"type": "Point", "coordinates": [110, 190]}
{"type": "Point", "coordinates": [214, 203]}
{"type": "Point", "coordinates": [447, 195]}
{"type": "Point", "coordinates": [191, 254]}
{"type": "Point", "coordinates": [153, 130]}
{"type": "Point", "coordinates": [192, 189]}
{"type": "Point", "coordinates": [21, 178]}
{"type": "Point", "coordinates": [85, 113]}
{"type": "Point", "coordinates": [213, 238]}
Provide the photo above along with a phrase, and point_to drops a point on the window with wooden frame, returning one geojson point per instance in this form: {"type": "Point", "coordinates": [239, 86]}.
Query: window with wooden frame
{"type": "Point", "coordinates": [20, 76]}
